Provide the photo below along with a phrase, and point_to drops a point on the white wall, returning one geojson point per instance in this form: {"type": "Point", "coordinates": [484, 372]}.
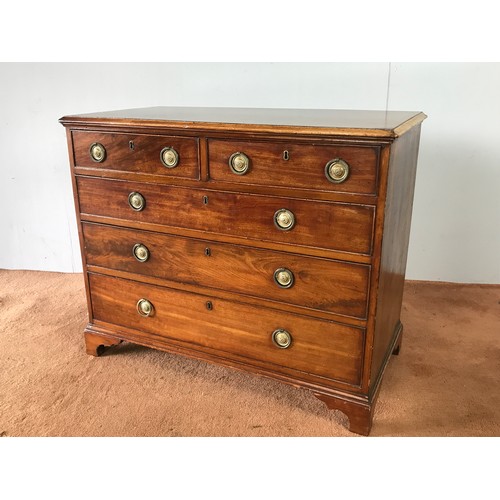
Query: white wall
{"type": "Point", "coordinates": [456, 218]}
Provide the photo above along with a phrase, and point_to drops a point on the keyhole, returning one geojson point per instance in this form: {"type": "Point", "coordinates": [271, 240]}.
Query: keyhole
{"type": "Point", "coordinates": [209, 305]}
{"type": "Point", "coordinates": [205, 200]}
{"type": "Point", "coordinates": [208, 252]}
{"type": "Point", "coordinates": [286, 155]}
{"type": "Point", "coordinates": [131, 145]}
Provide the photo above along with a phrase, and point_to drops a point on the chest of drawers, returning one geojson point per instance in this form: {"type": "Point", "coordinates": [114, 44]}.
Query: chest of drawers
{"type": "Point", "coordinates": [272, 241]}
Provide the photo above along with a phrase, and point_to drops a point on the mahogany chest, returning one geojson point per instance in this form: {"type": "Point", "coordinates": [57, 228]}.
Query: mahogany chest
{"type": "Point", "coordinates": [268, 240]}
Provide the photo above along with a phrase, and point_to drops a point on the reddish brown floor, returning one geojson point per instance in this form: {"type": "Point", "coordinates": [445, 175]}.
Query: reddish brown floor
{"type": "Point", "coordinates": [445, 382]}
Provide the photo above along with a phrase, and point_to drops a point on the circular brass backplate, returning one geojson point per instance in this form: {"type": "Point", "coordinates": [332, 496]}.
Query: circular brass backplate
{"type": "Point", "coordinates": [284, 219]}
{"type": "Point", "coordinates": [169, 157]}
{"type": "Point", "coordinates": [283, 277]}
{"type": "Point", "coordinates": [239, 163]}
{"type": "Point", "coordinates": [136, 201]}
{"type": "Point", "coordinates": [140, 252]}
{"type": "Point", "coordinates": [97, 152]}
{"type": "Point", "coordinates": [281, 338]}
{"type": "Point", "coordinates": [144, 307]}
{"type": "Point", "coordinates": [337, 170]}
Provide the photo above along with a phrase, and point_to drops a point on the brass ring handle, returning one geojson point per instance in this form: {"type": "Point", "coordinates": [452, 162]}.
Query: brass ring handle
{"type": "Point", "coordinates": [136, 201]}
{"type": "Point", "coordinates": [140, 252]}
{"type": "Point", "coordinates": [283, 277]}
{"type": "Point", "coordinates": [145, 308]}
{"type": "Point", "coordinates": [97, 152]}
{"type": "Point", "coordinates": [281, 338]}
{"type": "Point", "coordinates": [169, 157]}
{"type": "Point", "coordinates": [337, 170]}
{"type": "Point", "coordinates": [284, 219]}
{"type": "Point", "coordinates": [239, 163]}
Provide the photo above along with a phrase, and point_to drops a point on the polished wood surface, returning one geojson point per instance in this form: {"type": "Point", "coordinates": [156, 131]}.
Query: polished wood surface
{"type": "Point", "coordinates": [137, 153]}
{"type": "Point", "coordinates": [394, 250]}
{"type": "Point", "coordinates": [319, 284]}
{"type": "Point", "coordinates": [304, 168]}
{"type": "Point", "coordinates": [356, 123]}
{"type": "Point", "coordinates": [323, 348]}
{"type": "Point", "coordinates": [69, 141]}
{"type": "Point", "coordinates": [360, 414]}
{"type": "Point", "coordinates": [95, 344]}
{"type": "Point", "coordinates": [337, 226]}
{"type": "Point", "coordinates": [214, 246]}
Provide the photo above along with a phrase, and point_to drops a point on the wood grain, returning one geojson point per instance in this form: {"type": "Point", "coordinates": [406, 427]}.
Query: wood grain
{"type": "Point", "coordinates": [214, 245]}
{"type": "Point", "coordinates": [305, 167]}
{"type": "Point", "coordinates": [319, 284]}
{"type": "Point", "coordinates": [313, 122]}
{"type": "Point", "coordinates": [360, 414]}
{"type": "Point", "coordinates": [394, 249]}
{"type": "Point", "coordinates": [143, 158]}
{"type": "Point", "coordinates": [336, 226]}
{"type": "Point", "coordinates": [95, 344]}
{"type": "Point", "coordinates": [76, 201]}
{"type": "Point", "coordinates": [319, 347]}
{"type": "Point", "coordinates": [211, 185]}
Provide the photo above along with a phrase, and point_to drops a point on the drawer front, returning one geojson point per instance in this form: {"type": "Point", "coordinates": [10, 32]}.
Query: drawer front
{"type": "Point", "coordinates": [138, 153]}
{"type": "Point", "coordinates": [317, 347]}
{"type": "Point", "coordinates": [295, 165]}
{"type": "Point", "coordinates": [318, 224]}
{"type": "Point", "coordinates": [319, 284]}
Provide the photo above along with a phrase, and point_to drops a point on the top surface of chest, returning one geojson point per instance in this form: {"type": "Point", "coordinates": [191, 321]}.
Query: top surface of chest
{"type": "Point", "coordinates": [329, 122]}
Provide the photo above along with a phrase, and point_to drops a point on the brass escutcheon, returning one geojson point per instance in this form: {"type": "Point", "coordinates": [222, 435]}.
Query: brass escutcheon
{"type": "Point", "coordinates": [281, 338]}
{"type": "Point", "coordinates": [97, 152]}
{"type": "Point", "coordinates": [169, 157]}
{"type": "Point", "coordinates": [136, 201]}
{"type": "Point", "coordinates": [337, 170]}
{"type": "Point", "coordinates": [284, 219]}
{"type": "Point", "coordinates": [283, 277]}
{"type": "Point", "coordinates": [144, 307]}
{"type": "Point", "coordinates": [239, 163]}
{"type": "Point", "coordinates": [140, 252]}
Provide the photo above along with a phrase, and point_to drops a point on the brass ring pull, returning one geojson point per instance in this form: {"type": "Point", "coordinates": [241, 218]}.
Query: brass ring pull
{"type": "Point", "coordinates": [97, 152]}
{"type": "Point", "coordinates": [169, 157]}
{"type": "Point", "coordinates": [281, 338]}
{"type": "Point", "coordinates": [136, 201]}
{"type": "Point", "coordinates": [145, 308]}
{"type": "Point", "coordinates": [337, 170]}
{"type": "Point", "coordinates": [283, 277]}
{"type": "Point", "coordinates": [239, 163]}
{"type": "Point", "coordinates": [284, 219]}
{"type": "Point", "coordinates": [140, 252]}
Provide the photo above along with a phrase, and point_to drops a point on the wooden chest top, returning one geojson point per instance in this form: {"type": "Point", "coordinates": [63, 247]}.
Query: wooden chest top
{"type": "Point", "coordinates": [318, 122]}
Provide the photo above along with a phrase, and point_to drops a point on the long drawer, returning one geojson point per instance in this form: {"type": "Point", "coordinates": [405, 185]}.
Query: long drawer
{"type": "Point", "coordinates": [150, 154]}
{"type": "Point", "coordinates": [318, 224]}
{"type": "Point", "coordinates": [309, 282]}
{"type": "Point", "coordinates": [293, 165]}
{"type": "Point", "coordinates": [318, 347]}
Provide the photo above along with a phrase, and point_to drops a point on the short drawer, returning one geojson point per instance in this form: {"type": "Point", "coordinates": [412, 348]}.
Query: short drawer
{"type": "Point", "coordinates": [295, 165]}
{"type": "Point", "coordinates": [309, 282]}
{"type": "Point", "coordinates": [317, 347]}
{"type": "Point", "coordinates": [147, 154]}
{"type": "Point", "coordinates": [319, 224]}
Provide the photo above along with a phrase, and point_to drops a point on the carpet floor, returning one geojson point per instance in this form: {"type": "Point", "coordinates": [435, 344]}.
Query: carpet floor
{"type": "Point", "coordinates": [445, 382]}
